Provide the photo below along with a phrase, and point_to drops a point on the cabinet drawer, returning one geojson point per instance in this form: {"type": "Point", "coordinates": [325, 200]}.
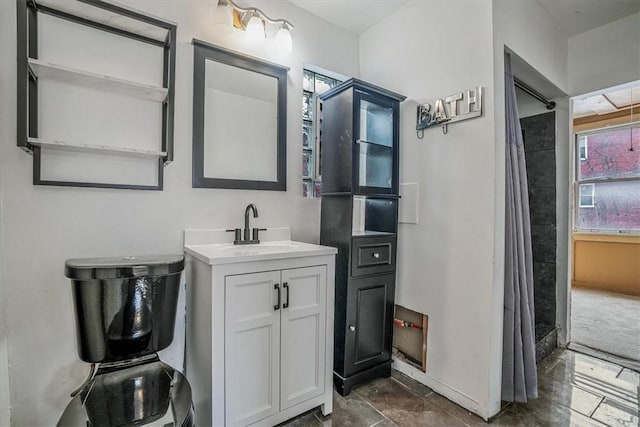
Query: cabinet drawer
{"type": "Point", "coordinates": [373, 255]}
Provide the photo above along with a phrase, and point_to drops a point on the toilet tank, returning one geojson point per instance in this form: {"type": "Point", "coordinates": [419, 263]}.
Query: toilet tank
{"type": "Point", "coordinates": [125, 307]}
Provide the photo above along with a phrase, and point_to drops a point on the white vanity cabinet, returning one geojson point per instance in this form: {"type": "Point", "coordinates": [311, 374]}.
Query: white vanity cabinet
{"type": "Point", "coordinates": [259, 344]}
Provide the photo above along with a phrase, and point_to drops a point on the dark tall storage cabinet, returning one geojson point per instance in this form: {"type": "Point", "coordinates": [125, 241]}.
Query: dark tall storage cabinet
{"type": "Point", "coordinates": [360, 134]}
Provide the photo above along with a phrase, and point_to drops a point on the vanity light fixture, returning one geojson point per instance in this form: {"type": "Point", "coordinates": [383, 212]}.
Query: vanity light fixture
{"type": "Point", "coordinates": [255, 22]}
{"type": "Point", "coordinates": [255, 32]}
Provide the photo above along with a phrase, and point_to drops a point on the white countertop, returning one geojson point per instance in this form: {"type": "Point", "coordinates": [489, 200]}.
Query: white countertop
{"type": "Point", "coordinates": [228, 253]}
{"type": "Point", "coordinates": [215, 246]}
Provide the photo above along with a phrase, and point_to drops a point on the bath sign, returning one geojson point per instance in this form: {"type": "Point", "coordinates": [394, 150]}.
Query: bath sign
{"type": "Point", "coordinates": [453, 108]}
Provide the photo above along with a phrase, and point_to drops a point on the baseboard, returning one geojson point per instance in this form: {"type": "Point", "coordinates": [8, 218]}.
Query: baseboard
{"type": "Point", "coordinates": [452, 394]}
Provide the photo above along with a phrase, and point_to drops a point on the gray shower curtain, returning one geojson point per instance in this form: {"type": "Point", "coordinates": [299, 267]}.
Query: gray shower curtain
{"type": "Point", "coordinates": [519, 376]}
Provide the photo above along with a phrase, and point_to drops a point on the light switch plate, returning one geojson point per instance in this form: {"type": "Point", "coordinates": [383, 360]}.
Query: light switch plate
{"type": "Point", "coordinates": [408, 209]}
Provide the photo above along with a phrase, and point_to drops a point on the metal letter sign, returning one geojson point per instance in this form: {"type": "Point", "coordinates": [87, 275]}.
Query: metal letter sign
{"type": "Point", "coordinates": [453, 108]}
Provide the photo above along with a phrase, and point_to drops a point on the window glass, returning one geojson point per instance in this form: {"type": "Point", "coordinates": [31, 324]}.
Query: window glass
{"type": "Point", "coordinates": [586, 195]}
{"type": "Point", "coordinates": [609, 154]}
{"type": "Point", "coordinates": [307, 106]}
{"type": "Point", "coordinates": [312, 84]}
{"type": "Point", "coordinates": [608, 180]}
{"type": "Point", "coordinates": [324, 83]}
{"type": "Point", "coordinates": [615, 206]}
{"type": "Point", "coordinates": [307, 80]}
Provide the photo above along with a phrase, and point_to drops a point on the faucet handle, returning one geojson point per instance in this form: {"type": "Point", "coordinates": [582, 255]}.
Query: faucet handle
{"type": "Point", "coordinates": [237, 234]}
{"type": "Point", "coordinates": [254, 233]}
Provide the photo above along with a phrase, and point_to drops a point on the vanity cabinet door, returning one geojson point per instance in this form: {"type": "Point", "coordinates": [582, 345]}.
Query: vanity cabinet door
{"type": "Point", "coordinates": [252, 347]}
{"type": "Point", "coordinates": [303, 324]}
{"type": "Point", "coordinates": [369, 322]}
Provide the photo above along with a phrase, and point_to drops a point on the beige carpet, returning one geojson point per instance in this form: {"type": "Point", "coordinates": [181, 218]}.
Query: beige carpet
{"type": "Point", "coordinates": [607, 322]}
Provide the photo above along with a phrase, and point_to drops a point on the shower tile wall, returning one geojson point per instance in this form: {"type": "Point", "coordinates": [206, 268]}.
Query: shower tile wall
{"type": "Point", "coordinates": [539, 145]}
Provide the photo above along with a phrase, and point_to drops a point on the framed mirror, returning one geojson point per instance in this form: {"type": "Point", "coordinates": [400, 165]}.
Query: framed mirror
{"type": "Point", "coordinates": [239, 120]}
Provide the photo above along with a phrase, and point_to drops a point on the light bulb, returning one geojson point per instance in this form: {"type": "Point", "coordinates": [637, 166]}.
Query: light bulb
{"type": "Point", "coordinates": [255, 30]}
{"type": "Point", "coordinates": [283, 40]}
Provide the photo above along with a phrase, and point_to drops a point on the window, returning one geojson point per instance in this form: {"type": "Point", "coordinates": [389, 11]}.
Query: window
{"type": "Point", "coordinates": [586, 195]}
{"type": "Point", "coordinates": [583, 151]}
{"type": "Point", "coordinates": [608, 180]}
{"type": "Point", "coordinates": [313, 84]}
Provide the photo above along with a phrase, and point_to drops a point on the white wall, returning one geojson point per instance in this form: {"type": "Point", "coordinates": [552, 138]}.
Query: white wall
{"type": "Point", "coordinates": [605, 56]}
{"type": "Point", "coordinates": [43, 226]}
{"type": "Point", "coordinates": [528, 30]}
{"type": "Point", "coordinates": [6, 86]}
{"type": "Point", "coordinates": [427, 50]}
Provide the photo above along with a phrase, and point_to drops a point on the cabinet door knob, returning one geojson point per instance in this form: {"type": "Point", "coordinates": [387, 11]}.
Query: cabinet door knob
{"type": "Point", "coordinates": [376, 255]}
{"type": "Point", "coordinates": [352, 328]}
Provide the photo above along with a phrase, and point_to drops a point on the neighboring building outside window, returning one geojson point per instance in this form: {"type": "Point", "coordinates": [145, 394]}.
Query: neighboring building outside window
{"type": "Point", "coordinates": [313, 84]}
{"type": "Point", "coordinates": [608, 180]}
{"type": "Point", "coordinates": [583, 149]}
{"type": "Point", "coordinates": [586, 195]}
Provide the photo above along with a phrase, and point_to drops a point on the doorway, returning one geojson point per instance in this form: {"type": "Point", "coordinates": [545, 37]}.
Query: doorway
{"type": "Point", "coordinates": [605, 280]}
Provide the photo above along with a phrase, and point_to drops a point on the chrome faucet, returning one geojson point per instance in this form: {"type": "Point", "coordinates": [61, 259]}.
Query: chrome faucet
{"type": "Point", "coordinates": [248, 236]}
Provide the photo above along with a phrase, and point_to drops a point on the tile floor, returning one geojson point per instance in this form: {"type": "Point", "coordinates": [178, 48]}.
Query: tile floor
{"type": "Point", "coordinates": [575, 390]}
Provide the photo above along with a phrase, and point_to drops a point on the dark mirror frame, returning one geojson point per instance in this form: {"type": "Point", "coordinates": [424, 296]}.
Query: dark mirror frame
{"type": "Point", "coordinates": [203, 51]}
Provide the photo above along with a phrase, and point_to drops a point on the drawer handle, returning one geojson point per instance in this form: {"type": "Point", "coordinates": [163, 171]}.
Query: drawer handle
{"type": "Point", "coordinates": [376, 255]}
{"type": "Point", "coordinates": [285, 285]}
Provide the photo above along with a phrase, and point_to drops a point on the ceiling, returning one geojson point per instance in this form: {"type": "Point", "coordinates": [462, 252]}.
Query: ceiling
{"type": "Point", "coordinates": [354, 16]}
{"type": "Point", "coordinates": [578, 16]}
{"type": "Point", "coordinates": [615, 99]}
{"type": "Point", "coordinates": [573, 16]}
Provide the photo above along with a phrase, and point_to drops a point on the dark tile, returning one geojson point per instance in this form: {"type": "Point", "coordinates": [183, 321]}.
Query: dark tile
{"type": "Point", "coordinates": [616, 414]}
{"type": "Point", "coordinates": [546, 345]}
{"type": "Point", "coordinates": [413, 385]}
{"type": "Point", "coordinates": [403, 406]}
{"type": "Point", "coordinates": [350, 411]}
{"type": "Point", "coordinates": [544, 279]}
{"type": "Point", "coordinates": [539, 132]}
{"type": "Point", "coordinates": [559, 357]}
{"type": "Point", "coordinates": [542, 206]}
{"type": "Point", "coordinates": [541, 169]}
{"type": "Point", "coordinates": [305, 420]}
{"type": "Point", "coordinates": [543, 243]}
{"type": "Point", "coordinates": [456, 411]}
{"type": "Point", "coordinates": [542, 329]}
{"type": "Point", "coordinates": [545, 310]}
{"type": "Point", "coordinates": [385, 423]}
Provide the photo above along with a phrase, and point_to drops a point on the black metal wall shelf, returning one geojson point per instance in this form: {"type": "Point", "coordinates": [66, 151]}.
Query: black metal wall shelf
{"type": "Point", "coordinates": [103, 16]}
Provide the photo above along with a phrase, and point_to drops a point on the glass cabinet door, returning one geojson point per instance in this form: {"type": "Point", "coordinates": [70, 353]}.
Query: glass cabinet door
{"type": "Point", "coordinates": [376, 148]}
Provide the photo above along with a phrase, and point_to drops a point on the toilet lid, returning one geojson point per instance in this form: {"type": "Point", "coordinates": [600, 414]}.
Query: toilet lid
{"type": "Point", "coordinates": [150, 394]}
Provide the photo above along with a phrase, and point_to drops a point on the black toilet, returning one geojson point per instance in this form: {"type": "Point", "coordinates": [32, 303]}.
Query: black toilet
{"type": "Point", "coordinates": [125, 313]}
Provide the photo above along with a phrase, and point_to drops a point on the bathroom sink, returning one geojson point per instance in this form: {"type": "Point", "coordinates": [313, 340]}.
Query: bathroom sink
{"type": "Point", "coordinates": [227, 253]}
{"type": "Point", "coordinates": [264, 247]}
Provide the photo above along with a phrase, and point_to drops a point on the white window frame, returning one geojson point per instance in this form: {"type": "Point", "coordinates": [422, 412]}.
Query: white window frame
{"type": "Point", "coordinates": [592, 195]}
{"type": "Point", "coordinates": [585, 145]}
{"type": "Point", "coordinates": [577, 183]}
